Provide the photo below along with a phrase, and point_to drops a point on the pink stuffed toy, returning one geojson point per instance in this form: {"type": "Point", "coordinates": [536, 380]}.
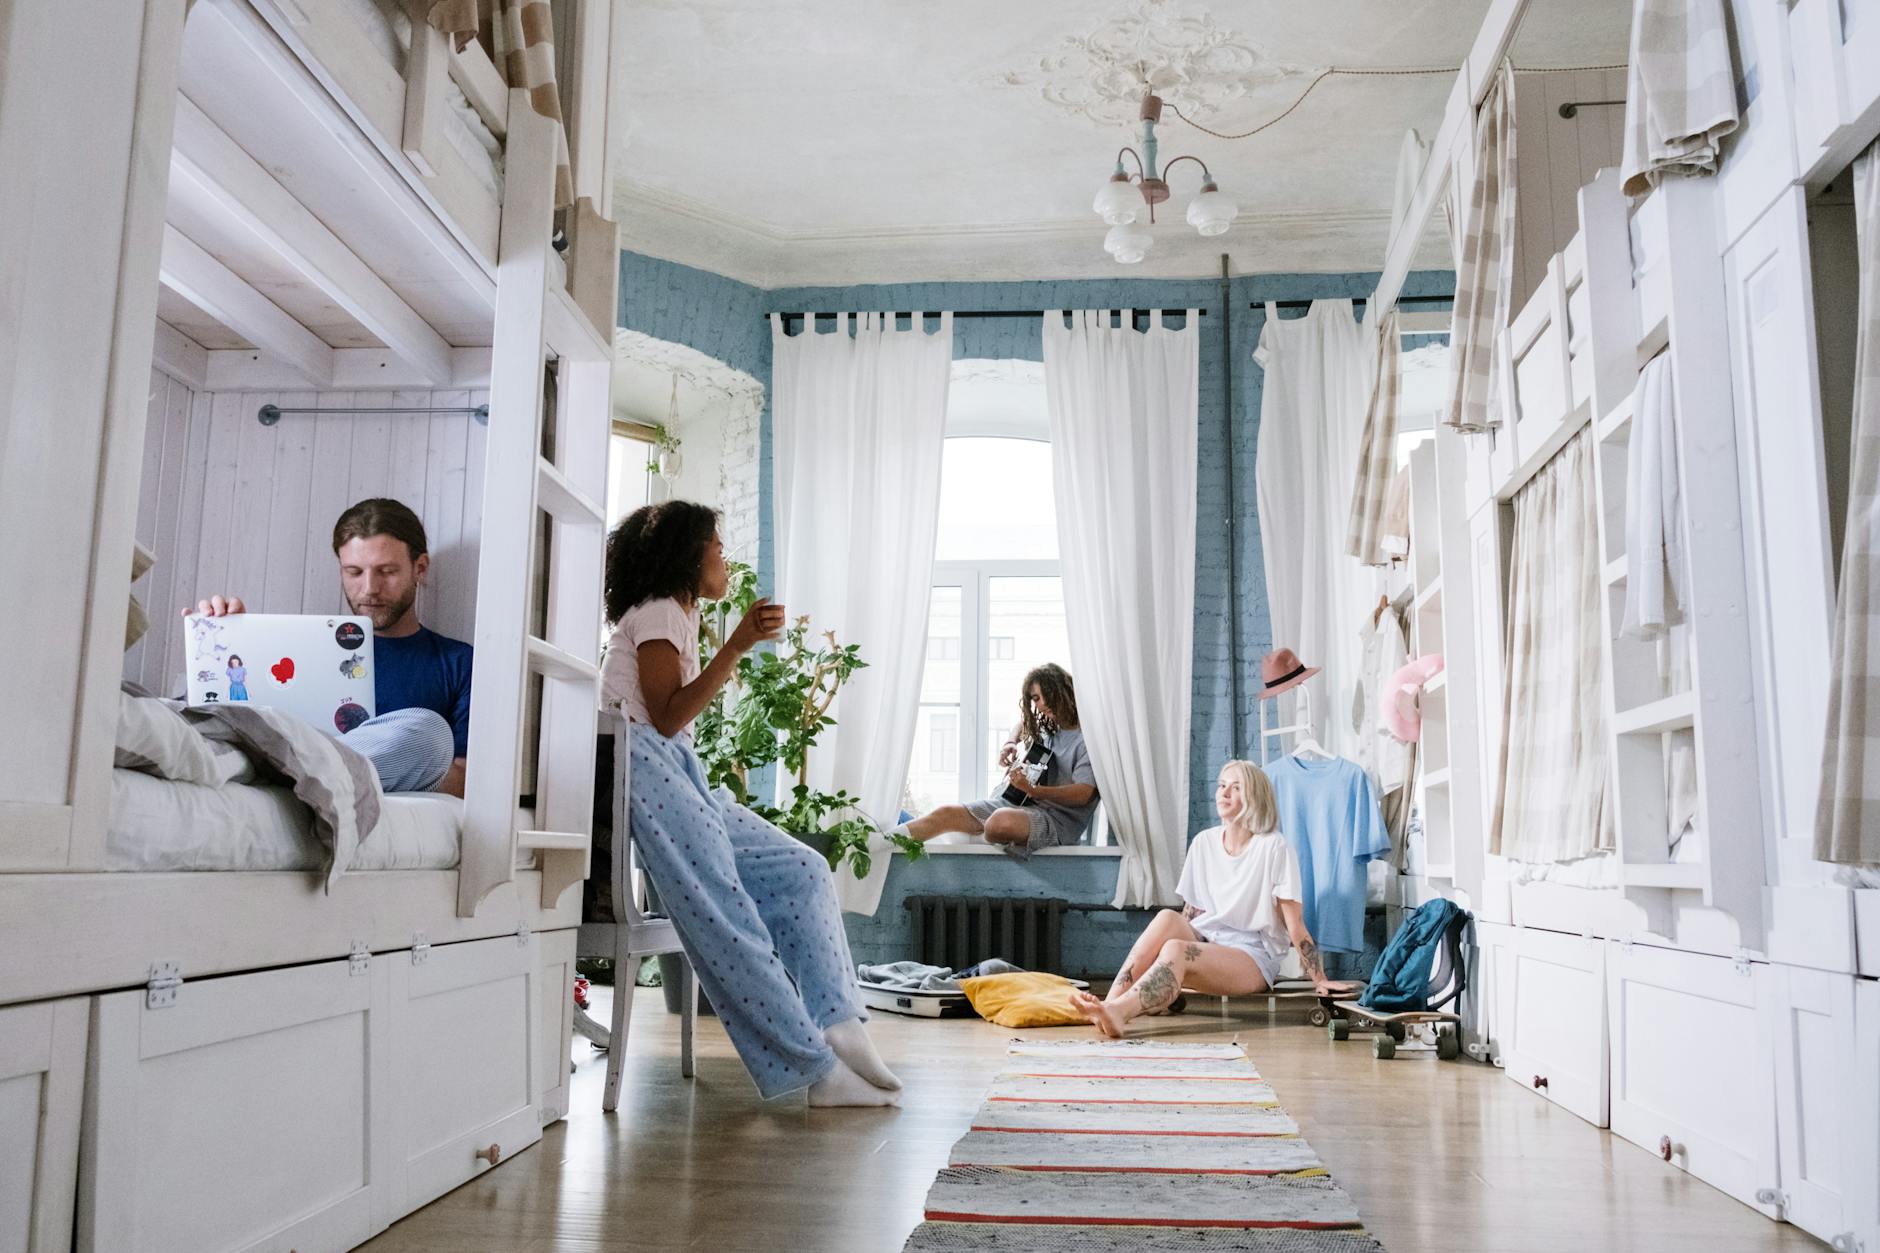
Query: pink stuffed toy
{"type": "Point", "coordinates": [1399, 703]}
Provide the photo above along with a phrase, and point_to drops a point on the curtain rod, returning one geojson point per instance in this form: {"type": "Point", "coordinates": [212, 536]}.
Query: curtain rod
{"type": "Point", "coordinates": [268, 415]}
{"type": "Point", "coordinates": [1425, 302]}
{"type": "Point", "coordinates": [995, 313]}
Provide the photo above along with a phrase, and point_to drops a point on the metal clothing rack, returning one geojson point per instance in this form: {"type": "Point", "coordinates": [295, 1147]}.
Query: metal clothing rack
{"type": "Point", "coordinates": [268, 415]}
{"type": "Point", "coordinates": [1302, 709]}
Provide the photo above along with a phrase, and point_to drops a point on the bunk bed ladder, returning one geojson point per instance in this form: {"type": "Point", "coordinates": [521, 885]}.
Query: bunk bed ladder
{"type": "Point", "coordinates": [540, 567]}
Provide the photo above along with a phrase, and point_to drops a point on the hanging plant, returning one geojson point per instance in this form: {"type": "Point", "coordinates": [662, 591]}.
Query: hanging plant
{"type": "Point", "coordinates": [667, 461]}
{"type": "Point", "coordinates": [773, 711]}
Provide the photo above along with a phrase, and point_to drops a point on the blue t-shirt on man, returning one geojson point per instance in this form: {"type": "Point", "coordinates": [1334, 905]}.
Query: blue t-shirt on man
{"type": "Point", "coordinates": [425, 670]}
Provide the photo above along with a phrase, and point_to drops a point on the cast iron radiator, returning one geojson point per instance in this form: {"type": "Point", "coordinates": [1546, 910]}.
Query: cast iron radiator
{"type": "Point", "coordinates": [961, 931]}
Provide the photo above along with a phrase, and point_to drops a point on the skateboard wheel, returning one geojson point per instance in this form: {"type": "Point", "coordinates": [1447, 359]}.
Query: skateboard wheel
{"type": "Point", "coordinates": [1396, 1031]}
{"type": "Point", "coordinates": [1318, 1017]}
{"type": "Point", "coordinates": [1448, 1045]}
{"type": "Point", "coordinates": [1338, 1029]}
{"type": "Point", "coordinates": [1383, 1047]}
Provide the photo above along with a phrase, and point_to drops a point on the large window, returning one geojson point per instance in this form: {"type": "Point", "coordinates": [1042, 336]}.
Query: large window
{"type": "Point", "coordinates": [996, 611]}
{"type": "Point", "coordinates": [629, 485]}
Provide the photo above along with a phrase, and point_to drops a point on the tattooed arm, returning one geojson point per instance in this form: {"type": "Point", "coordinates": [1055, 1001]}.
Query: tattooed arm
{"type": "Point", "coordinates": [1295, 916]}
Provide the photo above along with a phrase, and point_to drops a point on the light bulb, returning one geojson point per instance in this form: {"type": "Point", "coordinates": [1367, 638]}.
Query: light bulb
{"type": "Point", "coordinates": [1128, 244]}
{"type": "Point", "coordinates": [1210, 212]}
{"type": "Point", "coordinates": [1118, 202]}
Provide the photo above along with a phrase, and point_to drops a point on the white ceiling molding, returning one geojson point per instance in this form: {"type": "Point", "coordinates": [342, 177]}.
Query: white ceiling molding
{"type": "Point", "coordinates": [673, 228]}
{"type": "Point", "coordinates": [1191, 63]}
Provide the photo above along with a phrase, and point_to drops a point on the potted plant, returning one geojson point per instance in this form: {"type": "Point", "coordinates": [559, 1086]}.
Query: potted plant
{"type": "Point", "coordinates": [667, 461]}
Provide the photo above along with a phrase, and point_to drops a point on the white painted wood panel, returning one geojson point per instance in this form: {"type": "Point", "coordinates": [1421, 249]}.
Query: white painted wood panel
{"type": "Point", "coordinates": [1812, 1016]}
{"type": "Point", "coordinates": [1556, 1040]}
{"type": "Point", "coordinates": [42, 1077]}
{"type": "Point", "coordinates": [1862, 1198]}
{"type": "Point", "coordinates": [1554, 158]}
{"type": "Point", "coordinates": [1691, 1065]}
{"type": "Point", "coordinates": [240, 1117]}
{"type": "Point", "coordinates": [229, 505]}
{"type": "Point", "coordinates": [554, 1025]}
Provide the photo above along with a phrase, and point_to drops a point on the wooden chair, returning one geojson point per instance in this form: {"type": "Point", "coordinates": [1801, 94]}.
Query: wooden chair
{"type": "Point", "coordinates": [634, 934]}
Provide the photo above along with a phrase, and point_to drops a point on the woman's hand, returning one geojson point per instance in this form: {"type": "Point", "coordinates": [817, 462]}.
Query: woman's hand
{"type": "Point", "coordinates": [764, 621]}
{"type": "Point", "coordinates": [216, 606]}
{"type": "Point", "coordinates": [1022, 781]}
{"type": "Point", "coordinates": [1008, 755]}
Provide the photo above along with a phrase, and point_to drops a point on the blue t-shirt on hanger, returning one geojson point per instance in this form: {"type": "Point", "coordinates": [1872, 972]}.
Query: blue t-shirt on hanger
{"type": "Point", "coordinates": [1328, 809]}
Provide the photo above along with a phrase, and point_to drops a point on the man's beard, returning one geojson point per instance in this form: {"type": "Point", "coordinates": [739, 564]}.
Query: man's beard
{"type": "Point", "coordinates": [385, 615]}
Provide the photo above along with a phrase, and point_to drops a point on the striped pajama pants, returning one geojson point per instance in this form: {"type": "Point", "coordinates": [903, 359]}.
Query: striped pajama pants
{"type": "Point", "coordinates": [755, 910]}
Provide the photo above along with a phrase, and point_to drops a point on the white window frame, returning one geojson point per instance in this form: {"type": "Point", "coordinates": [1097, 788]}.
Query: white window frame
{"type": "Point", "coordinates": [974, 579]}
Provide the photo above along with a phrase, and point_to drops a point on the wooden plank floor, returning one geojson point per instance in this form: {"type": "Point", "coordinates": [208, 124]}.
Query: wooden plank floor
{"type": "Point", "coordinates": [1444, 1156]}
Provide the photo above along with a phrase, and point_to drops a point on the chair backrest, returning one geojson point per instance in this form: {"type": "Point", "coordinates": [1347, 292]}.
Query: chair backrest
{"type": "Point", "coordinates": [628, 907]}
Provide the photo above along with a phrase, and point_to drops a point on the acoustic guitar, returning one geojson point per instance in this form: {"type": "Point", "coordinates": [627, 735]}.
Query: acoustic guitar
{"type": "Point", "coordinates": [1037, 757]}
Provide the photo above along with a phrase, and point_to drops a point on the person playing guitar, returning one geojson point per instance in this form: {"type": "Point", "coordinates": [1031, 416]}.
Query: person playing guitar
{"type": "Point", "coordinates": [1049, 791]}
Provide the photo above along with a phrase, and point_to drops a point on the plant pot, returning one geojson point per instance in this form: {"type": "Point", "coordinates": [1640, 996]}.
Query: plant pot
{"type": "Point", "coordinates": [671, 464]}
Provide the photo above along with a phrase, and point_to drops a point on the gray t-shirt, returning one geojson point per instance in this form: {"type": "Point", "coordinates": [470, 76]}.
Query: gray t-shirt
{"type": "Point", "coordinates": [1070, 763]}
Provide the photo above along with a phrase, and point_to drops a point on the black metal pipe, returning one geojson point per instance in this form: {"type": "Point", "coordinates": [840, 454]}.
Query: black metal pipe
{"type": "Point", "coordinates": [1233, 516]}
{"type": "Point", "coordinates": [992, 313]}
{"type": "Point", "coordinates": [268, 415]}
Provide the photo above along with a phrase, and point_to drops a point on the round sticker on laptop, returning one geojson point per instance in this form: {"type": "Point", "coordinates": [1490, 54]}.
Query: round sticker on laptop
{"type": "Point", "coordinates": [349, 715]}
{"type": "Point", "coordinates": [350, 635]}
{"type": "Point", "coordinates": [283, 671]}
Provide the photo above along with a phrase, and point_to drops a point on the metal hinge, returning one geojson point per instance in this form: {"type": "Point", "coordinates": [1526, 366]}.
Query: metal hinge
{"type": "Point", "coordinates": [165, 979]}
{"type": "Point", "coordinates": [420, 948]}
{"type": "Point", "coordinates": [1846, 1242]}
{"type": "Point", "coordinates": [1775, 1198]}
{"type": "Point", "coordinates": [1743, 966]}
{"type": "Point", "coordinates": [522, 934]}
{"type": "Point", "coordinates": [360, 959]}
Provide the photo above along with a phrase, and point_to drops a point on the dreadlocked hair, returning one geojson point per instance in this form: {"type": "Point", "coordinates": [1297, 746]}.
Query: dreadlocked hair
{"type": "Point", "coordinates": [657, 551]}
{"type": "Point", "coordinates": [1060, 697]}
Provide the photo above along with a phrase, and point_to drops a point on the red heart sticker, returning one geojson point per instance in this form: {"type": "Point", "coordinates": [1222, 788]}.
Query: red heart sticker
{"type": "Point", "coordinates": [283, 671]}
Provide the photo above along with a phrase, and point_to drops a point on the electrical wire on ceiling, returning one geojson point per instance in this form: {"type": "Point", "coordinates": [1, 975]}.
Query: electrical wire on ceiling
{"type": "Point", "coordinates": [1370, 73]}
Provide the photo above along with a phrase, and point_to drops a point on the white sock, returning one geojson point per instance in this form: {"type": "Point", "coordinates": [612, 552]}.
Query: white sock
{"type": "Point", "coordinates": [900, 828]}
{"type": "Point", "coordinates": [843, 1086]}
{"type": "Point", "coordinates": [850, 1041]}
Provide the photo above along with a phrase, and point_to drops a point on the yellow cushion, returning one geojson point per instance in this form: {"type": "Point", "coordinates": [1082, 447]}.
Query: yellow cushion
{"type": "Point", "coordinates": [1024, 999]}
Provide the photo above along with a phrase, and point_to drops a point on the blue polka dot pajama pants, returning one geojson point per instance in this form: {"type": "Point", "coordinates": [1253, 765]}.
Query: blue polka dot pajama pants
{"type": "Point", "coordinates": [755, 910]}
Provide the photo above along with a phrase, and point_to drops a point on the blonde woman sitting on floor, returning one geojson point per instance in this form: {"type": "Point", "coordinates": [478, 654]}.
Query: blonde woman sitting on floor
{"type": "Point", "coordinates": [1241, 883]}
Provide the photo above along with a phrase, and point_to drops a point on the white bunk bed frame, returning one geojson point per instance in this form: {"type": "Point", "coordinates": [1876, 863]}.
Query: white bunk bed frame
{"type": "Point", "coordinates": [97, 982]}
{"type": "Point", "coordinates": [1740, 969]}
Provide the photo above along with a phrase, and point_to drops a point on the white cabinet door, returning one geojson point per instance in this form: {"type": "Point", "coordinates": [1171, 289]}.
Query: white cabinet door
{"type": "Point", "coordinates": [1692, 1078]}
{"type": "Point", "coordinates": [1812, 1031]}
{"type": "Point", "coordinates": [463, 1041]}
{"type": "Point", "coordinates": [240, 1116]}
{"type": "Point", "coordinates": [1862, 1198]}
{"type": "Point", "coordinates": [1556, 1042]}
{"type": "Point", "coordinates": [42, 1083]}
{"type": "Point", "coordinates": [1783, 481]}
{"type": "Point", "coordinates": [1491, 992]}
{"type": "Point", "coordinates": [554, 1025]}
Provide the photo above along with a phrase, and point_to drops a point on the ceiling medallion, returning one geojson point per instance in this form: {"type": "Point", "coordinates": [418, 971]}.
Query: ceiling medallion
{"type": "Point", "coordinates": [1182, 57]}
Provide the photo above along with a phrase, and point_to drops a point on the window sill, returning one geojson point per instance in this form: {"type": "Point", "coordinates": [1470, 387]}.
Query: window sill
{"type": "Point", "coordinates": [990, 850]}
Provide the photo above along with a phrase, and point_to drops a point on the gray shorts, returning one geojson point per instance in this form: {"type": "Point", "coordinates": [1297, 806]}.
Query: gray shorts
{"type": "Point", "coordinates": [1047, 829]}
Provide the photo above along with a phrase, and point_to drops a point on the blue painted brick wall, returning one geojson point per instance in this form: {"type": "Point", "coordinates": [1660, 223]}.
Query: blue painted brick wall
{"type": "Point", "coordinates": [721, 317]}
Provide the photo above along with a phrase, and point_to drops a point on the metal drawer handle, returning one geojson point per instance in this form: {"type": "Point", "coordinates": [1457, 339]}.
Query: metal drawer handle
{"type": "Point", "coordinates": [492, 1155]}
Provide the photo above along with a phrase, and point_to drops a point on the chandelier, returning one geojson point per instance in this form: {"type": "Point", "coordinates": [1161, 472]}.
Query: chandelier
{"type": "Point", "coordinates": [1121, 200]}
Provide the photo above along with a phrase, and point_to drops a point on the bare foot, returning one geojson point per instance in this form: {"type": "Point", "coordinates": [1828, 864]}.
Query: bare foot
{"type": "Point", "coordinates": [1101, 1014]}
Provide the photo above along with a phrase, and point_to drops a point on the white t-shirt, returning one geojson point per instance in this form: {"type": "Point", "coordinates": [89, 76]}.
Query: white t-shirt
{"type": "Point", "coordinates": [1236, 894]}
{"type": "Point", "coordinates": [664, 619]}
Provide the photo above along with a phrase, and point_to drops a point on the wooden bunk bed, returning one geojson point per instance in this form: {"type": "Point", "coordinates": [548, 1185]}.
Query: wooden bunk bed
{"type": "Point", "coordinates": [239, 1059]}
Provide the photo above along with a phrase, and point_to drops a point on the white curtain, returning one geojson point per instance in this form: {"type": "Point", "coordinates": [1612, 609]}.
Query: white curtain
{"type": "Point", "coordinates": [1312, 410]}
{"type": "Point", "coordinates": [859, 422]}
{"type": "Point", "coordinates": [1123, 408]}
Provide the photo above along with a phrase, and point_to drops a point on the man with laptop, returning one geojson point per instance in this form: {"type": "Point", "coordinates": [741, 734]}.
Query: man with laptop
{"type": "Point", "coordinates": [419, 680]}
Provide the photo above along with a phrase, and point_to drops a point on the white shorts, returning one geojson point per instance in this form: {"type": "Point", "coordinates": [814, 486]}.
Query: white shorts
{"type": "Point", "coordinates": [1269, 965]}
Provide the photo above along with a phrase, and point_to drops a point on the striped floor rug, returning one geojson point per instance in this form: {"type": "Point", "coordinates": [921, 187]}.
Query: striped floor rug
{"type": "Point", "coordinates": [1133, 1144]}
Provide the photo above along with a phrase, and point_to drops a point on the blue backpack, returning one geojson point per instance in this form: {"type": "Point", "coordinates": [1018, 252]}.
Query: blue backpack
{"type": "Point", "coordinates": [1424, 966]}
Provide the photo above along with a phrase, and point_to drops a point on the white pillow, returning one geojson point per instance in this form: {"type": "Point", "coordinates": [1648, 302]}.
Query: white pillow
{"type": "Point", "coordinates": [154, 738]}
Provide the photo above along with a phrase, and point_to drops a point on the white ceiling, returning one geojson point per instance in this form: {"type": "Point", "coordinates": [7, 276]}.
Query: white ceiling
{"type": "Point", "coordinates": [812, 141]}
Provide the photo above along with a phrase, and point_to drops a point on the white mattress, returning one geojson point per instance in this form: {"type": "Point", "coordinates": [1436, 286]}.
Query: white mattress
{"type": "Point", "coordinates": [157, 824]}
{"type": "Point", "coordinates": [1601, 870]}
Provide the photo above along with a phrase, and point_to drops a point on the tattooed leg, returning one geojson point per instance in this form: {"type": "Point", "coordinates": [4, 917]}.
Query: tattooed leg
{"type": "Point", "coordinates": [1158, 988]}
{"type": "Point", "coordinates": [1165, 926]}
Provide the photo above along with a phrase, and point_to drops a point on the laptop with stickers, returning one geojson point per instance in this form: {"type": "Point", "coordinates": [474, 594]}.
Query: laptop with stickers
{"type": "Point", "coordinates": [315, 667]}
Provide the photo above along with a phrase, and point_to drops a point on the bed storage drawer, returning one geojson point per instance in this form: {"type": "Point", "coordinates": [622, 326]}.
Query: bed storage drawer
{"type": "Point", "coordinates": [463, 1075]}
{"type": "Point", "coordinates": [243, 1114]}
{"type": "Point", "coordinates": [1813, 1037]}
{"type": "Point", "coordinates": [42, 1081]}
{"type": "Point", "coordinates": [554, 1025]}
{"type": "Point", "coordinates": [1692, 1075]}
{"type": "Point", "coordinates": [1862, 1197]}
{"type": "Point", "coordinates": [1556, 1037]}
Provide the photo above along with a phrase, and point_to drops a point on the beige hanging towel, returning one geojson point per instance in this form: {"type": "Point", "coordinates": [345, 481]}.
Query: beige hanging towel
{"type": "Point", "coordinates": [1377, 453]}
{"type": "Point", "coordinates": [521, 34]}
{"type": "Point", "coordinates": [1680, 92]}
{"type": "Point", "coordinates": [1847, 822]}
{"type": "Point", "coordinates": [1484, 260]}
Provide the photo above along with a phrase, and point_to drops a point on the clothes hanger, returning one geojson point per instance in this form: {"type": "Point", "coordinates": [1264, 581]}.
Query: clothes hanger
{"type": "Point", "coordinates": [1308, 747]}
{"type": "Point", "coordinates": [1377, 615]}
